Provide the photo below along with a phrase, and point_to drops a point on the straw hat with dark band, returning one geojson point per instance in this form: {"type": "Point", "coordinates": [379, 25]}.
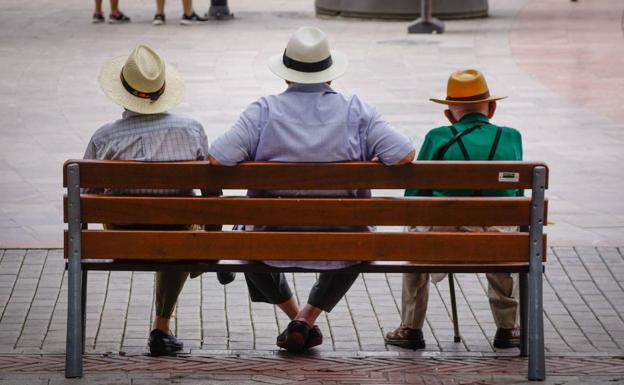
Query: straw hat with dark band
{"type": "Point", "coordinates": [142, 82]}
{"type": "Point", "coordinates": [465, 87]}
{"type": "Point", "coordinates": [307, 59]}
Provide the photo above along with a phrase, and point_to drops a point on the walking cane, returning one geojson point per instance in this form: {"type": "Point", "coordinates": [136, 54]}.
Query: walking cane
{"type": "Point", "coordinates": [456, 337]}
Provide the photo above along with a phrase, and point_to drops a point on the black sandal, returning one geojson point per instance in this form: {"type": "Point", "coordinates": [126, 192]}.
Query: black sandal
{"type": "Point", "coordinates": [295, 337]}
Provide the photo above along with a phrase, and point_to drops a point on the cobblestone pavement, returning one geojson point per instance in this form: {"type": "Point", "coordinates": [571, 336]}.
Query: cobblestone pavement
{"type": "Point", "coordinates": [583, 301]}
{"type": "Point", "coordinates": [559, 61]}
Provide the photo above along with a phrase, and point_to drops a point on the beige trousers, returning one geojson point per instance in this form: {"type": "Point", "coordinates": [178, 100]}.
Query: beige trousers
{"type": "Point", "coordinates": [502, 288]}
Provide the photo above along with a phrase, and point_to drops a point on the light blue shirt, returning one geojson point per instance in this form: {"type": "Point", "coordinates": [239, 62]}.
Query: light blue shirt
{"type": "Point", "coordinates": [311, 123]}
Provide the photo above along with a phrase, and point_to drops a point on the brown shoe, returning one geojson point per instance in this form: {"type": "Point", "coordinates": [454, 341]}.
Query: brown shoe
{"type": "Point", "coordinates": [507, 338]}
{"type": "Point", "coordinates": [406, 338]}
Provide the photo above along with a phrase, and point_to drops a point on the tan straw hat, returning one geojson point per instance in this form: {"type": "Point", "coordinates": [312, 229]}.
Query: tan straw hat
{"type": "Point", "coordinates": [465, 87]}
{"type": "Point", "coordinates": [308, 59]}
{"type": "Point", "coordinates": [142, 82]}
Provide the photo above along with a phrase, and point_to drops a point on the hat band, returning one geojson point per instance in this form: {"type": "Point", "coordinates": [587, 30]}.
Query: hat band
{"type": "Point", "coordinates": [153, 96]}
{"type": "Point", "coordinates": [307, 67]}
{"type": "Point", "coordinates": [482, 96]}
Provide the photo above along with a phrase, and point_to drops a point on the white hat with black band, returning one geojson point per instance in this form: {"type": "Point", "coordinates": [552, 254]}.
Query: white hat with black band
{"type": "Point", "coordinates": [307, 59]}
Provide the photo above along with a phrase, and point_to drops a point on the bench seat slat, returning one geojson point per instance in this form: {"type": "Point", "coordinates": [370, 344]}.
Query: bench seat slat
{"type": "Point", "coordinates": [259, 175]}
{"type": "Point", "coordinates": [309, 211]}
{"type": "Point", "coordinates": [426, 248]}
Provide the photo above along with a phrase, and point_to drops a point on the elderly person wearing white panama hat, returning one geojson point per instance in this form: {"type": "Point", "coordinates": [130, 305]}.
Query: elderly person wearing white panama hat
{"type": "Point", "coordinates": [309, 122]}
{"type": "Point", "coordinates": [146, 87]}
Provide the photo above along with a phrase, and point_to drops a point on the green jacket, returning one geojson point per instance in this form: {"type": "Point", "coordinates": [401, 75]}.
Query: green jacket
{"type": "Point", "coordinates": [478, 144]}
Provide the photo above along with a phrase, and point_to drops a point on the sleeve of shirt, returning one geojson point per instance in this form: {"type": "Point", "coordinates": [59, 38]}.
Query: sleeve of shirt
{"type": "Point", "coordinates": [239, 143]}
{"type": "Point", "coordinates": [91, 153]}
{"type": "Point", "coordinates": [202, 151]}
{"type": "Point", "coordinates": [382, 140]}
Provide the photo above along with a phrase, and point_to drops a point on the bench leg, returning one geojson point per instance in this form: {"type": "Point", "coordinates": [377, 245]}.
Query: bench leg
{"type": "Point", "coordinates": [537, 370]}
{"type": "Point", "coordinates": [537, 364]}
{"type": "Point", "coordinates": [83, 307]}
{"type": "Point", "coordinates": [457, 336]}
{"type": "Point", "coordinates": [524, 314]}
{"type": "Point", "coordinates": [73, 343]}
{"type": "Point", "coordinates": [73, 350]}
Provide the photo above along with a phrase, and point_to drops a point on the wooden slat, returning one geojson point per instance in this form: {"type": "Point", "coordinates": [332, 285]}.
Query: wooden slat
{"type": "Point", "coordinates": [256, 175]}
{"type": "Point", "coordinates": [256, 267]}
{"type": "Point", "coordinates": [434, 248]}
{"type": "Point", "coordinates": [310, 211]}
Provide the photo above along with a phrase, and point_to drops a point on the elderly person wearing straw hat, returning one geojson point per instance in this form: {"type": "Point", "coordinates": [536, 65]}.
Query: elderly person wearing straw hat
{"type": "Point", "coordinates": [146, 87]}
{"type": "Point", "coordinates": [471, 136]}
{"type": "Point", "coordinates": [308, 122]}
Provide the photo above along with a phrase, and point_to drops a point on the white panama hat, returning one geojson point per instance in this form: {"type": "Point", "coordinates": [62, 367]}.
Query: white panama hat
{"type": "Point", "coordinates": [142, 82]}
{"type": "Point", "coordinates": [308, 59]}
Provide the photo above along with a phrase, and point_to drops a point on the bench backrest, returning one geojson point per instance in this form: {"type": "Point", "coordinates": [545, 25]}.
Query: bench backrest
{"type": "Point", "coordinates": [425, 248]}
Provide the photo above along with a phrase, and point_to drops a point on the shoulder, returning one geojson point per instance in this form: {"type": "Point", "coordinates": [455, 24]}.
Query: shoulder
{"type": "Point", "coordinates": [105, 131]}
{"type": "Point", "coordinates": [439, 132]}
{"type": "Point", "coordinates": [181, 118]}
{"type": "Point", "coordinates": [510, 132]}
{"type": "Point", "coordinates": [358, 109]}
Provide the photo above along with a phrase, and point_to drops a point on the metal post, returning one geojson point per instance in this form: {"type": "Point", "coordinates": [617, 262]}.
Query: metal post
{"type": "Point", "coordinates": [83, 306]}
{"type": "Point", "coordinates": [537, 369]}
{"type": "Point", "coordinates": [73, 349]}
{"type": "Point", "coordinates": [456, 337]}
{"type": "Point", "coordinates": [524, 314]}
{"type": "Point", "coordinates": [426, 23]}
{"type": "Point", "coordinates": [219, 10]}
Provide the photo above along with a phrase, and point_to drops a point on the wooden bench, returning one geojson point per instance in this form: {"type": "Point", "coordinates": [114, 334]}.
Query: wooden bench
{"type": "Point", "coordinates": [383, 252]}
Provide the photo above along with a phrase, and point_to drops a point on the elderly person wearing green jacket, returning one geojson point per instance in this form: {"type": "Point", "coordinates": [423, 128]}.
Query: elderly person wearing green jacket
{"type": "Point", "coordinates": [471, 136]}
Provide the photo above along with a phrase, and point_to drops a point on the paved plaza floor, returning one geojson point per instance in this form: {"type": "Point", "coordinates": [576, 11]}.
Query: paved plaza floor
{"type": "Point", "coordinates": [560, 63]}
{"type": "Point", "coordinates": [227, 335]}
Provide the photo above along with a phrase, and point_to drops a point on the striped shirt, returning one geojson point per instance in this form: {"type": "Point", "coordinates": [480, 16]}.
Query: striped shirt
{"type": "Point", "coordinates": [151, 138]}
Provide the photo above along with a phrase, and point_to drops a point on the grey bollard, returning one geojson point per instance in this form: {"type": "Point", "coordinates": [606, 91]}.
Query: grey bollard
{"type": "Point", "coordinates": [426, 23]}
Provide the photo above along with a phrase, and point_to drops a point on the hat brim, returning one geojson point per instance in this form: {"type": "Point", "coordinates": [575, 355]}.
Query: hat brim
{"type": "Point", "coordinates": [336, 70]}
{"type": "Point", "coordinates": [111, 85]}
{"type": "Point", "coordinates": [451, 102]}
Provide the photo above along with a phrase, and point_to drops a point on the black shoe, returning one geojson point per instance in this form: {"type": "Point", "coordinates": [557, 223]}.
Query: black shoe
{"type": "Point", "coordinates": [406, 338]}
{"type": "Point", "coordinates": [118, 17]}
{"type": "Point", "coordinates": [225, 277]}
{"type": "Point", "coordinates": [192, 19]}
{"type": "Point", "coordinates": [163, 344]}
{"type": "Point", "coordinates": [315, 337]}
{"type": "Point", "coordinates": [507, 338]}
{"type": "Point", "coordinates": [98, 18]}
{"type": "Point", "coordinates": [294, 338]}
{"type": "Point", "coordinates": [158, 20]}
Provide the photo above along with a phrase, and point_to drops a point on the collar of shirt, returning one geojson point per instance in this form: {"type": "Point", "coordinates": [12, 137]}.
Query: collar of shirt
{"type": "Point", "coordinates": [470, 119]}
{"type": "Point", "coordinates": [129, 114]}
{"type": "Point", "coordinates": [316, 87]}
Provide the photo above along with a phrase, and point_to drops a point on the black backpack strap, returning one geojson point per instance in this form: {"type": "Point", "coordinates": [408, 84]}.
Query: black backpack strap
{"type": "Point", "coordinates": [495, 143]}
